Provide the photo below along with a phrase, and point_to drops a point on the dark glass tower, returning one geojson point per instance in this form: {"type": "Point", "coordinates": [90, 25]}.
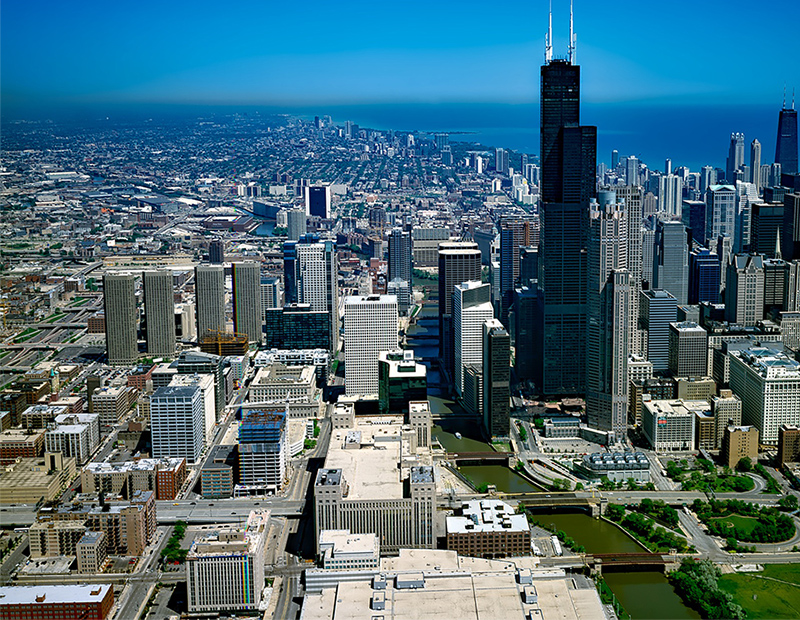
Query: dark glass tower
{"type": "Point", "coordinates": [786, 145]}
{"type": "Point", "coordinates": [569, 157]}
{"type": "Point", "coordinates": [704, 270]}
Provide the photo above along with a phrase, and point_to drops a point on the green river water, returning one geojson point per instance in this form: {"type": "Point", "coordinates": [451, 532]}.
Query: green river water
{"type": "Point", "coordinates": [645, 595]}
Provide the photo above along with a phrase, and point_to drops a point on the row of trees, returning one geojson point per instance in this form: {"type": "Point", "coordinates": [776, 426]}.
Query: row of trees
{"type": "Point", "coordinates": [644, 529]}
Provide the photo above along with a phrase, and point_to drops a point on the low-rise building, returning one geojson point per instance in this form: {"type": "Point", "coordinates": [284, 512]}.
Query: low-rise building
{"type": "Point", "coordinates": [739, 442]}
{"type": "Point", "coordinates": [341, 550]}
{"type": "Point", "coordinates": [164, 476]}
{"type": "Point", "coordinates": [91, 553]}
{"type": "Point", "coordinates": [40, 415]}
{"type": "Point", "coordinates": [279, 382]}
{"type": "Point", "coordinates": [220, 473]}
{"type": "Point", "coordinates": [669, 425]}
{"type": "Point", "coordinates": [72, 602]}
{"type": "Point", "coordinates": [20, 443]}
{"type": "Point", "coordinates": [55, 538]}
{"type": "Point", "coordinates": [488, 528]}
{"type": "Point", "coordinates": [225, 567]}
{"type": "Point", "coordinates": [75, 435]}
{"type": "Point", "coordinates": [29, 481]}
{"type": "Point", "coordinates": [788, 444]}
{"type": "Point", "coordinates": [615, 466]}
{"type": "Point", "coordinates": [111, 402]}
{"type": "Point", "coordinates": [129, 526]}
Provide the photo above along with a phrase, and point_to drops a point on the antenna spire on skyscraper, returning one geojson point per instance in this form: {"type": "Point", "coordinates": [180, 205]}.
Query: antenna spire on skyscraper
{"type": "Point", "coordinates": [571, 47]}
{"type": "Point", "coordinates": [548, 39]}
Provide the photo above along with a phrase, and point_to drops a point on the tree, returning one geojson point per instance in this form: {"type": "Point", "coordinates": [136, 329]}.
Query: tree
{"type": "Point", "coordinates": [744, 464]}
{"type": "Point", "coordinates": [788, 503]}
{"type": "Point", "coordinates": [632, 486]}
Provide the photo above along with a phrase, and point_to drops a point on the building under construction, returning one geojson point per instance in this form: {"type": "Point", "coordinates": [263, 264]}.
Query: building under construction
{"type": "Point", "coordinates": [224, 343]}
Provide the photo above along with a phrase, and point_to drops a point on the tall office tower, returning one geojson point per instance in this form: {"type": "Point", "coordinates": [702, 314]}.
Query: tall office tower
{"type": "Point", "coordinates": [514, 234]}
{"type": "Point", "coordinates": [614, 159]}
{"type": "Point", "coordinates": [459, 261]}
{"type": "Point", "coordinates": [296, 224]}
{"type": "Point", "coordinates": [568, 155]}
{"type": "Point", "coordinates": [496, 378]}
{"type": "Point", "coordinates": [790, 233]}
{"type": "Point", "coordinates": [724, 249]}
{"type": "Point", "coordinates": [225, 566]}
{"type": "Point", "coordinates": [177, 422]}
{"type": "Point", "coordinates": [216, 252]}
{"type": "Point", "coordinates": [209, 285]}
{"type": "Point", "coordinates": [159, 308]}
{"type": "Point", "coordinates": [271, 294]}
{"type": "Point", "coordinates": [527, 333]}
{"type": "Point", "coordinates": [632, 171]}
{"type": "Point", "coordinates": [708, 177]}
{"type": "Point", "coordinates": [263, 450]}
{"type": "Point", "coordinates": [311, 276]}
{"type": "Point", "coordinates": [671, 260]}
{"type": "Point", "coordinates": [735, 157]}
{"type": "Point", "coordinates": [786, 145]}
{"type": "Point", "coordinates": [119, 303]}
{"type": "Point", "coordinates": [776, 276]}
{"type": "Point", "coordinates": [670, 194]}
{"type": "Point", "coordinates": [472, 307]}
{"type": "Point", "coordinates": [755, 164]}
{"type": "Point", "coordinates": [648, 252]}
{"type": "Point", "coordinates": [658, 309]}
{"type": "Point", "coordinates": [704, 274]}
{"type": "Point", "coordinates": [721, 207]}
{"type": "Point", "coordinates": [501, 164]}
{"type": "Point", "coordinates": [608, 316]}
{"type": "Point", "coordinates": [528, 265]}
{"type": "Point", "coordinates": [693, 216]}
{"type": "Point", "coordinates": [688, 350]}
{"type": "Point", "coordinates": [370, 326]}
{"type": "Point", "coordinates": [791, 302]}
{"type": "Point", "coordinates": [632, 198]}
{"type": "Point", "coordinates": [400, 255]}
{"type": "Point", "coordinates": [744, 290]}
{"type": "Point", "coordinates": [747, 195]}
{"type": "Point", "coordinates": [765, 226]}
{"type": "Point", "coordinates": [318, 200]}
{"type": "Point", "coordinates": [668, 166]}
{"type": "Point", "coordinates": [247, 311]}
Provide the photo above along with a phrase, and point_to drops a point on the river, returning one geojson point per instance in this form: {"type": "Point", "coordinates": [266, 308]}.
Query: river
{"type": "Point", "coordinates": [646, 595]}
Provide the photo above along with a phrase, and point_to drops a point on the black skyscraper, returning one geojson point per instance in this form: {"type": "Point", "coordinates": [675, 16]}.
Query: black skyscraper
{"type": "Point", "coordinates": [569, 157]}
{"type": "Point", "coordinates": [786, 145]}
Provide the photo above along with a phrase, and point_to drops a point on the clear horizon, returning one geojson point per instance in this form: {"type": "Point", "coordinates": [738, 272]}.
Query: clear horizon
{"type": "Point", "coordinates": [351, 53]}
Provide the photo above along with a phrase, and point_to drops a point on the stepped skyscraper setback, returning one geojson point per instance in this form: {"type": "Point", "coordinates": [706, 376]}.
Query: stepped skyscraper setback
{"type": "Point", "coordinates": [568, 156]}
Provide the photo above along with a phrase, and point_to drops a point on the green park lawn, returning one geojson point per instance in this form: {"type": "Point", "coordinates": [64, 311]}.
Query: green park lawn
{"type": "Point", "coordinates": [745, 524]}
{"type": "Point", "coordinates": [772, 598]}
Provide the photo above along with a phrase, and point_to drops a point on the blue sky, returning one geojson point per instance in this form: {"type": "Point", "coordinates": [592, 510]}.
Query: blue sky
{"type": "Point", "coordinates": [355, 51]}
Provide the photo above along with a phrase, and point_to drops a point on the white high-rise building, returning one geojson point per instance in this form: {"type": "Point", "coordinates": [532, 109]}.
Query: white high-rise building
{"type": "Point", "coordinates": [670, 194]}
{"type": "Point", "coordinates": [206, 384]}
{"type": "Point", "coordinates": [472, 307]}
{"type": "Point", "coordinates": [225, 567]}
{"type": "Point", "coordinates": [768, 382]}
{"type": "Point", "coordinates": [721, 205]}
{"type": "Point", "coordinates": [177, 421]}
{"type": "Point", "coordinates": [608, 322]}
{"type": "Point", "coordinates": [296, 223]}
{"type": "Point", "coordinates": [370, 326]}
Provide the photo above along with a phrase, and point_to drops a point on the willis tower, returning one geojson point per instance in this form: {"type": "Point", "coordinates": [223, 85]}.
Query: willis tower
{"type": "Point", "coordinates": [568, 161]}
